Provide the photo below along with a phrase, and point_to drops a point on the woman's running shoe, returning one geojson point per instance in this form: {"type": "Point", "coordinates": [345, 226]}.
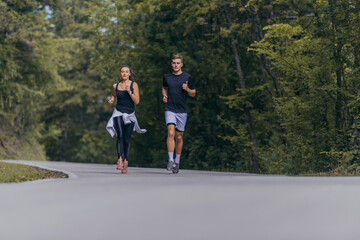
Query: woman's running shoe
{"type": "Point", "coordinates": [119, 165]}
{"type": "Point", "coordinates": [125, 168]}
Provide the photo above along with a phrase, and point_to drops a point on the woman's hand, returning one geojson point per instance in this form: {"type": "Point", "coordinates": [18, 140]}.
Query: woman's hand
{"type": "Point", "coordinates": [111, 100]}
{"type": "Point", "coordinates": [127, 88]}
{"type": "Point", "coordinates": [113, 95]}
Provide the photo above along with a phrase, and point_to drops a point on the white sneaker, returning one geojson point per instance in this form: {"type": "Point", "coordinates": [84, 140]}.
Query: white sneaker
{"type": "Point", "coordinates": [170, 165]}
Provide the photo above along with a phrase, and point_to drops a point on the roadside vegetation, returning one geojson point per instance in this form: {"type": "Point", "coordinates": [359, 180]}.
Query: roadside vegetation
{"type": "Point", "coordinates": [10, 172]}
{"type": "Point", "coordinates": [277, 81]}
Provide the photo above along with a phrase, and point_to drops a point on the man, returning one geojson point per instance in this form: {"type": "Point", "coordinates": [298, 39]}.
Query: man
{"type": "Point", "coordinates": [176, 87]}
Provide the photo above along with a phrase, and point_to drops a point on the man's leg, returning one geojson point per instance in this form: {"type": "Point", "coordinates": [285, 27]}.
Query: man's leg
{"type": "Point", "coordinates": [180, 128]}
{"type": "Point", "coordinates": [178, 148]}
{"type": "Point", "coordinates": [170, 145]}
{"type": "Point", "coordinates": [178, 144]}
{"type": "Point", "coordinates": [171, 138]}
{"type": "Point", "coordinates": [170, 121]}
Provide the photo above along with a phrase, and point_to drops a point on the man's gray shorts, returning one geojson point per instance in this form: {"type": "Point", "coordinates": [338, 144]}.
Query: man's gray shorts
{"type": "Point", "coordinates": [178, 119]}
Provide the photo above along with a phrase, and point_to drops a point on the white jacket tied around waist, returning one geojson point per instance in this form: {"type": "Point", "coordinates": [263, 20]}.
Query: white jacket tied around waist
{"type": "Point", "coordinates": [127, 118]}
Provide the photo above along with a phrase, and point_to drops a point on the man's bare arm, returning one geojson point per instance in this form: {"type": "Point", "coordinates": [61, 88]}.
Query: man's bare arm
{"type": "Point", "coordinates": [164, 93]}
{"type": "Point", "coordinates": [191, 92]}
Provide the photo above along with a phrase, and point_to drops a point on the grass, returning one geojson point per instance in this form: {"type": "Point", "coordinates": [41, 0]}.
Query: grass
{"type": "Point", "coordinates": [10, 172]}
{"type": "Point", "coordinates": [26, 147]}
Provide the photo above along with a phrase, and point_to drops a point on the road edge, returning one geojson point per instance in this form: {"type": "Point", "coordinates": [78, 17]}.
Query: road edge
{"type": "Point", "coordinates": [33, 163]}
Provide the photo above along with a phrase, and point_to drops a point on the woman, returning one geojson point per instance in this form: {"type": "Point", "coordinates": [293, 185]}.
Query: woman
{"type": "Point", "coordinates": [123, 120]}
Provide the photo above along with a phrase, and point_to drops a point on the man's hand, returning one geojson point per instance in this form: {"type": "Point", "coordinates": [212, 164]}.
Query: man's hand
{"type": "Point", "coordinates": [185, 86]}
{"type": "Point", "coordinates": [165, 98]}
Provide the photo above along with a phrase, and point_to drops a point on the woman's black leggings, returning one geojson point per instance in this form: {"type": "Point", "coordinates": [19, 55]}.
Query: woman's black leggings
{"type": "Point", "coordinates": [123, 136]}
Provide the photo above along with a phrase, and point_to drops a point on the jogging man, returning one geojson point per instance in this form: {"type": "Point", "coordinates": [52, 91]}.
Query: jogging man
{"type": "Point", "coordinates": [176, 87]}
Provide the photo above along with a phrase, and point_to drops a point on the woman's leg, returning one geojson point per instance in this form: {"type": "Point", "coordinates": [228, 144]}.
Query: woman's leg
{"type": "Point", "coordinates": [127, 131]}
{"type": "Point", "coordinates": [119, 128]}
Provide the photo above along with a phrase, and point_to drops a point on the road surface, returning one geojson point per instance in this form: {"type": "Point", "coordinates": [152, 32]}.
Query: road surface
{"type": "Point", "coordinates": [99, 203]}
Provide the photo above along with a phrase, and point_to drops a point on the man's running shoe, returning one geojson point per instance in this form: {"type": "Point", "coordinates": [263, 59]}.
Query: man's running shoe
{"type": "Point", "coordinates": [170, 165]}
{"type": "Point", "coordinates": [175, 168]}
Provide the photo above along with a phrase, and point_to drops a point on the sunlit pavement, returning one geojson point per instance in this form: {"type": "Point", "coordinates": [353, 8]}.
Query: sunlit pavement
{"type": "Point", "coordinates": [97, 202]}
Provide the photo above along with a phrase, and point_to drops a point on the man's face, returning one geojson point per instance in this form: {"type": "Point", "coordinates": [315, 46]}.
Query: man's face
{"type": "Point", "coordinates": [176, 64]}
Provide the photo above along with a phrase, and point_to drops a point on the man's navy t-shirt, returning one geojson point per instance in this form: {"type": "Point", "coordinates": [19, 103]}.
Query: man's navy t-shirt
{"type": "Point", "coordinates": [176, 101]}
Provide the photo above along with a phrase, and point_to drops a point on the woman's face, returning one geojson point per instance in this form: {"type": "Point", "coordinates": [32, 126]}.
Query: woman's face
{"type": "Point", "coordinates": [125, 73]}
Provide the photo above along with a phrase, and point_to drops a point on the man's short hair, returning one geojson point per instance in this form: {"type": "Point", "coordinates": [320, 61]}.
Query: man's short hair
{"type": "Point", "coordinates": [177, 56]}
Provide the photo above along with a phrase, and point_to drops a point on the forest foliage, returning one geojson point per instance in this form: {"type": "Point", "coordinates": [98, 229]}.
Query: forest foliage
{"type": "Point", "coordinates": [277, 81]}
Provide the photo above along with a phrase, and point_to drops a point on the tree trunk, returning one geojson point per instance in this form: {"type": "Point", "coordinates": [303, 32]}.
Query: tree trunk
{"type": "Point", "coordinates": [356, 118]}
{"type": "Point", "coordinates": [265, 63]}
{"type": "Point", "coordinates": [265, 66]}
{"type": "Point", "coordinates": [247, 113]}
{"type": "Point", "coordinates": [356, 133]}
{"type": "Point", "coordinates": [338, 69]}
{"type": "Point", "coordinates": [241, 79]}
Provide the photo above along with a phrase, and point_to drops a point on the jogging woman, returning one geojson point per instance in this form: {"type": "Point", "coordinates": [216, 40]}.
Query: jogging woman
{"type": "Point", "coordinates": [123, 120]}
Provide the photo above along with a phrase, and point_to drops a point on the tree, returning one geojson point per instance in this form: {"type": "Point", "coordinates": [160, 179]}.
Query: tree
{"type": "Point", "coordinates": [24, 72]}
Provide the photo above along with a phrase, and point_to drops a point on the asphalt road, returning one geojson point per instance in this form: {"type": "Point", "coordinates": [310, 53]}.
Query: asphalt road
{"type": "Point", "coordinates": [99, 203]}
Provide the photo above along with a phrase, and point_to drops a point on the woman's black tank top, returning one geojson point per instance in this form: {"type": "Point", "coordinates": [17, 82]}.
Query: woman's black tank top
{"type": "Point", "coordinates": [124, 102]}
